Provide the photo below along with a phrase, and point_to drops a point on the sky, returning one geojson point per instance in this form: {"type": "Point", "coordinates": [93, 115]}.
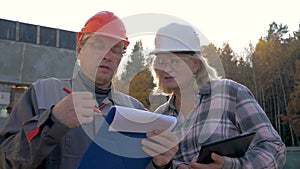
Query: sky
{"type": "Point", "coordinates": [237, 22]}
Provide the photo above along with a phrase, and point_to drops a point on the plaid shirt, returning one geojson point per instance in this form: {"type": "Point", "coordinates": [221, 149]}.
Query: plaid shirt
{"type": "Point", "coordinates": [224, 109]}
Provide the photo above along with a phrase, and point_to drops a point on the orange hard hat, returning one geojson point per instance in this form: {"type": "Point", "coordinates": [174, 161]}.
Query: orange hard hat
{"type": "Point", "coordinates": [107, 24]}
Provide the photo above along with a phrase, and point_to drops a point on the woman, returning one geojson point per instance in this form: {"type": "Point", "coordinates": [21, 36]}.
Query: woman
{"type": "Point", "coordinates": [207, 107]}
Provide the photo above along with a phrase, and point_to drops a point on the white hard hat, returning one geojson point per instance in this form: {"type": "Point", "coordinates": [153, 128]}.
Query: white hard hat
{"type": "Point", "coordinates": [176, 37]}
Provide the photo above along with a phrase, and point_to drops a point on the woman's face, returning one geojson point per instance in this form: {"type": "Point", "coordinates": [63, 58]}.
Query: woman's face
{"type": "Point", "coordinates": [175, 71]}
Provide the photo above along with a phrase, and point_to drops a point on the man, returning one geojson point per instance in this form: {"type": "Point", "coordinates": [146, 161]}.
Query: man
{"type": "Point", "coordinates": [54, 122]}
{"type": "Point", "coordinates": [8, 109]}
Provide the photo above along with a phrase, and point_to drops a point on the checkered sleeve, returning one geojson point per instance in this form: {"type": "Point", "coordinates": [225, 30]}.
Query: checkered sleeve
{"type": "Point", "coordinates": [267, 149]}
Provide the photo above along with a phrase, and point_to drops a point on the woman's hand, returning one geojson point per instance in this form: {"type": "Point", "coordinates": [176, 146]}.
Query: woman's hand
{"type": "Point", "coordinates": [217, 164]}
{"type": "Point", "coordinates": [161, 145]}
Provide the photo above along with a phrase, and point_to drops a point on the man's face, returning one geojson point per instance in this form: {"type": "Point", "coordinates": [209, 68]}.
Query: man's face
{"type": "Point", "coordinates": [99, 59]}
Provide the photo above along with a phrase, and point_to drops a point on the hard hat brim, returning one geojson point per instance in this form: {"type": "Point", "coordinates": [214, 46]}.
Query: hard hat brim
{"type": "Point", "coordinates": [172, 51]}
{"type": "Point", "coordinates": [113, 36]}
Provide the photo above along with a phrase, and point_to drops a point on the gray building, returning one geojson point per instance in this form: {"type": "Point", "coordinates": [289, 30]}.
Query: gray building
{"type": "Point", "coordinates": [30, 52]}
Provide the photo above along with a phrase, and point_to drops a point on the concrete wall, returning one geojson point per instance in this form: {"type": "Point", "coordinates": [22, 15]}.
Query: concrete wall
{"type": "Point", "coordinates": [29, 52]}
{"type": "Point", "coordinates": [25, 63]}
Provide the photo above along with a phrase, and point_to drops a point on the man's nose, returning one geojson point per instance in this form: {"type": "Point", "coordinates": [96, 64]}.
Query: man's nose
{"type": "Point", "coordinates": [108, 55]}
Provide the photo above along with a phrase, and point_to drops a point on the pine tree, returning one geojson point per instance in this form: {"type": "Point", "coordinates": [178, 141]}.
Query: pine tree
{"type": "Point", "coordinates": [136, 79]}
{"type": "Point", "coordinates": [135, 63]}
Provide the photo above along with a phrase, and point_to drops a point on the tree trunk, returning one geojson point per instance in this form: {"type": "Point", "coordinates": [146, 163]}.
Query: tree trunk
{"type": "Point", "coordinates": [285, 108]}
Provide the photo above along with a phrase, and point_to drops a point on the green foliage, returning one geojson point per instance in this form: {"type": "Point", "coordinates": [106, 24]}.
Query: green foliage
{"type": "Point", "coordinates": [136, 80]}
{"type": "Point", "coordinates": [229, 60]}
{"type": "Point", "coordinates": [294, 107]}
{"type": "Point", "coordinates": [277, 32]}
{"type": "Point", "coordinates": [135, 63]}
{"type": "Point", "coordinates": [210, 52]}
{"type": "Point", "coordinates": [292, 117]}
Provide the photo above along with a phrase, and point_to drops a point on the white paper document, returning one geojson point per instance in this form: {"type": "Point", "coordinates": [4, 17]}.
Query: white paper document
{"type": "Point", "coordinates": [139, 121]}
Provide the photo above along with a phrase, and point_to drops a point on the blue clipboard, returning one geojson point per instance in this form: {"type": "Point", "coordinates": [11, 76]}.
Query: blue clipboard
{"type": "Point", "coordinates": [115, 150]}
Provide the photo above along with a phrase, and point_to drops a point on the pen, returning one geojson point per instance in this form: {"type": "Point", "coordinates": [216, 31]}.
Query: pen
{"type": "Point", "coordinates": [95, 109]}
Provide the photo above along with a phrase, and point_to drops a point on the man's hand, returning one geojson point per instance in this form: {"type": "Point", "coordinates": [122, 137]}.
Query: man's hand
{"type": "Point", "coordinates": [217, 164]}
{"type": "Point", "coordinates": [75, 109]}
{"type": "Point", "coordinates": [161, 145]}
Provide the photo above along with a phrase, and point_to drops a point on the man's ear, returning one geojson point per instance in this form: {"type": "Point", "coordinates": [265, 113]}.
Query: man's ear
{"type": "Point", "coordinates": [78, 48]}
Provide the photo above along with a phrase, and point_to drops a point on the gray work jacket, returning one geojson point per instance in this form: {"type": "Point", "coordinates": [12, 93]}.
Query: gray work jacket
{"type": "Point", "coordinates": [53, 145]}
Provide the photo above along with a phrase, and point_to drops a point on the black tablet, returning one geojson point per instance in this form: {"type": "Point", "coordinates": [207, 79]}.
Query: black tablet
{"type": "Point", "coordinates": [233, 147]}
